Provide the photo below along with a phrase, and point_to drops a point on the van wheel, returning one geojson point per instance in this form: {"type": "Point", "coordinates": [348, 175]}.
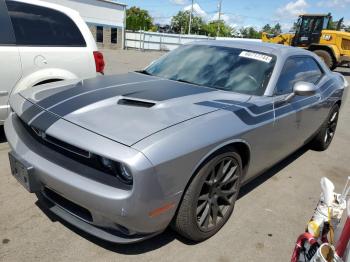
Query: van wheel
{"type": "Point", "coordinates": [327, 58]}
{"type": "Point", "coordinates": [325, 136]}
{"type": "Point", "coordinates": [210, 198]}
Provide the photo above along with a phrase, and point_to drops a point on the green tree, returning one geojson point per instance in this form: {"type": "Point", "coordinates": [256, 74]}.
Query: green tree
{"type": "Point", "coordinates": [137, 18]}
{"type": "Point", "coordinates": [224, 30]}
{"type": "Point", "coordinates": [250, 32]}
{"type": "Point", "coordinates": [267, 29]}
{"type": "Point", "coordinates": [277, 29]}
{"type": "Point", "coordinates": [180, 23]}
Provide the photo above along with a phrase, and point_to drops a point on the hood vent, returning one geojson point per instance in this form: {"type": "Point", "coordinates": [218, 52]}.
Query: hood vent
{"type": "Point", "coordinates": [137, 103]}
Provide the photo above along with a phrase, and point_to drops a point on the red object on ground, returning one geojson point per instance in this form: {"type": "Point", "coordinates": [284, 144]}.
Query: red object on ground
{"type": "Point", "coordinates": [300, 243]}
{"type": "Point", "coordinates": [344, 239]}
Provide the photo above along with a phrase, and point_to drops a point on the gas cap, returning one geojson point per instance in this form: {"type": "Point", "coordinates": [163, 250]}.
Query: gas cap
{"type": "Point", "coordinates": [40, 61]}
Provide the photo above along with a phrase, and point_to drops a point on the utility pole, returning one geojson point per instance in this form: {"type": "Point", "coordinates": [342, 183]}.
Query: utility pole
{"type": "Point", "coordinates": [219, 14]}
{"type": "Point", "coordinates": [190, 23]}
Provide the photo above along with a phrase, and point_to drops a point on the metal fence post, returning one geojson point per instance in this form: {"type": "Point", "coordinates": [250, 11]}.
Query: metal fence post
{"type": "Point", "coordinates": [160, 43]}
{"type": "Point", "coordinates": [140, 39]}
{"type": "Point", "coordinates": [143, 41]}
{"type": "Point", "coordinates": [180, 43]}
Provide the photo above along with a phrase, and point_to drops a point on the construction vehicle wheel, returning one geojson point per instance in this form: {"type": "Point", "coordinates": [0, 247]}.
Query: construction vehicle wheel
{"type": "Point", "coordinates": [326, 57]}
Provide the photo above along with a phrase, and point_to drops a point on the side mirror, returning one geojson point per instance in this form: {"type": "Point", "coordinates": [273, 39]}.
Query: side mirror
{"type": "Point", "coordinates": [302, 89]}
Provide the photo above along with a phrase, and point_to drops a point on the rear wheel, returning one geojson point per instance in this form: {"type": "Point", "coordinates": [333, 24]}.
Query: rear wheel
{"type": "Point", "coordinates": [327, 58]}
{"type": "Point", "coordinates": [210, 198]}
{"type": "Point", "coordinates": [325, 136]}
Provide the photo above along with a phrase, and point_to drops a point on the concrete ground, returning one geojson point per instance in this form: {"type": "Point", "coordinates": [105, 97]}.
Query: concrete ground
{"type": "Point", "coordinates": [271, 212]}
{"type": "Point", "coordinates": [123, 61]}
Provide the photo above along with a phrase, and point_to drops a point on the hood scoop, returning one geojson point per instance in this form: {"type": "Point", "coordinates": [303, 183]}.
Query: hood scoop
{"type": "Point", "coordinates": [136, 103]}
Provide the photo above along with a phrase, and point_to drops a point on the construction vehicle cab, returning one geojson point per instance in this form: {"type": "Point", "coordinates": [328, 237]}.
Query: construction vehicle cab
{"type": "Point", "coordinates": [309, 29]}
{"type": "Point", "coordinates": [317, 33]}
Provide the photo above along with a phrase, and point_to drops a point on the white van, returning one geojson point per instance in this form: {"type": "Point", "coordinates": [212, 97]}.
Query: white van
{"type": "Point", "coordinates": [40, 43]}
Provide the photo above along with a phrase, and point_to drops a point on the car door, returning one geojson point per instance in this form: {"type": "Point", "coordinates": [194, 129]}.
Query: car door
{"type": "Point", "coordinates": [10, 63]}
{"type": "Point", "coordinates": [296, 119]}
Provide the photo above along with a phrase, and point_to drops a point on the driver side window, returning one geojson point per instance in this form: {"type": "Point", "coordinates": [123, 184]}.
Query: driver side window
{"type": "Point", "coordinates": [297, 69]}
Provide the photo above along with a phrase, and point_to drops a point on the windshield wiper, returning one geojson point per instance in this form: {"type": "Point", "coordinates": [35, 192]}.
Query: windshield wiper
{"type": "Point", "coordinates": [187, 82]}
{"type": "Point", "coordinates": [145, 72]}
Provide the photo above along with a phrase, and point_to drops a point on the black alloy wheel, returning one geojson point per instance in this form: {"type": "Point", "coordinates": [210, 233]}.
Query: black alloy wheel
{"type": "Point", "coordinates": [210, 197]}
{"type": "Point", "coordinates": [218, 193]}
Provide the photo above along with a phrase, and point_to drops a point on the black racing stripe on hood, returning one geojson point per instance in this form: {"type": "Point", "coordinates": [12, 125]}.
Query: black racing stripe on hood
{"type": "Point", "coordinates": [169, 90]}
{"type": "Point", "coordinates": [44, 121]}
{"type": "Point", "coordinates": [91, 85]}
{"type": "Point", "coordinates": [155, 91]}
{"type": "Point", "coordinates": [30, 113]}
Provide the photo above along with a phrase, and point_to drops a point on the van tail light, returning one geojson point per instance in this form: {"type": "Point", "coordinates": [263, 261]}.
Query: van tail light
{"type": "Point", "coordinates": [99, 62]}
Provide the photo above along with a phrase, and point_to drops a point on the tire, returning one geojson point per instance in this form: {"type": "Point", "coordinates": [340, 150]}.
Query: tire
{"type": "Point", "coordinates": [209, 200]}
{"type": "Point", "coordinates": [326, 133]}
{"type": "Point", "coordinates": [327, 58]}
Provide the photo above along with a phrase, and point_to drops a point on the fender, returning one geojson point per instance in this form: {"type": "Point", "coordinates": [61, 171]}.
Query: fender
{"type": "Point", "coordinates": [218, 147]}
{"type": "Point", "coordinates": [42, 75]}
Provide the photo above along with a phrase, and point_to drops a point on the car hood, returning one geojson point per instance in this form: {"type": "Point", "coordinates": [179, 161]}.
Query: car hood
{"type": "Point", "coordinates": [125, 108]}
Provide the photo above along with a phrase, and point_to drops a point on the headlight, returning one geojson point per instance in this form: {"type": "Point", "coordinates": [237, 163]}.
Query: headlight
{"type": "Point", "coordinates": [125, 174]}
{"type": "Point", "coordinates": [327, 37]}
{"type": "Point", "coordinates": [118, 170]}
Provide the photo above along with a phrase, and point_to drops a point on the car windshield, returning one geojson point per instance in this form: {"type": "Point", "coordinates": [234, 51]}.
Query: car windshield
{"type": "Point", "coordinates": [224, 68]}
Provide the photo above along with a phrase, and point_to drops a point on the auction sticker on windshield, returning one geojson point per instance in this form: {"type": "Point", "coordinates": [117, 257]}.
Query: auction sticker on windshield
{"type": "Point", "coordinates": [256, 56]}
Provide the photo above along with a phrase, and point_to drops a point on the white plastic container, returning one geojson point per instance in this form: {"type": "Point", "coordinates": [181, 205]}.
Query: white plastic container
{"type": "Point", "coordinates": [326, 253]}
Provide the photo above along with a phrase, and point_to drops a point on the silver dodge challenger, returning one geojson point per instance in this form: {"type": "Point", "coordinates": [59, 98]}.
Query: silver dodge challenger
{"type": "Point", "coordinates": [122, 157]}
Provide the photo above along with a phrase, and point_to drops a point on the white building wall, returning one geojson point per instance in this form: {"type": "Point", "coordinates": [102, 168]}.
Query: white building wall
{"type": "Point", "coordinates": [97, 12]}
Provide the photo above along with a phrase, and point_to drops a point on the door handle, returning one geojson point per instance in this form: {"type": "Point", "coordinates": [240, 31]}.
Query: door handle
{"type": "Point", "coordinates": [4, 93]}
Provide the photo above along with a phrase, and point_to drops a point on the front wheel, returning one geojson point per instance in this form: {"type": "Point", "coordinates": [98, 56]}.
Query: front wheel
{"type": "Point", "coordinates": [210, 198]}
{"type": "Point", "coordinates": [325, 135]}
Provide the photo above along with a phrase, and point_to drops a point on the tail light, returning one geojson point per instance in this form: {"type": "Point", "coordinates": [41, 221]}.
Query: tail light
{"type": "Point", "coordinates": [99, 62]}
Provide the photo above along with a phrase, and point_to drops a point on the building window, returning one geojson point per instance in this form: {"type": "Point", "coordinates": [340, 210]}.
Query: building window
{"type": "Point", "coordinates": [114, 35]}
{"type": "Point", "coordinates": [99, 34]}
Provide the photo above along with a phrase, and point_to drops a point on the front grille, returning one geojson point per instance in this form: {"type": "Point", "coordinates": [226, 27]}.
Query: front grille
{"type": "Point", "coordinates": [91, 168]}
{"type": "Point", "coordinates": [82, 156]}
{"type": "Point", "coordinates": [68, 205]}
{"type": "Point", "coordinates": [345, 44]}
{"type": "Point", "coordinates": [61, 144]}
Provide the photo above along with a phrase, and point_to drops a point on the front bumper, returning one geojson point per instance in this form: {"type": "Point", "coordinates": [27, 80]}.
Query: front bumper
{"type": "Point", "coordinates": [89, 199]}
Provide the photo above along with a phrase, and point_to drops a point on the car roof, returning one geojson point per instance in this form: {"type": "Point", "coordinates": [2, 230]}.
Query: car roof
{"type": "Point", "coordinates": [257, 46]}
{"type": "Point", "coordinates": [68, 11]}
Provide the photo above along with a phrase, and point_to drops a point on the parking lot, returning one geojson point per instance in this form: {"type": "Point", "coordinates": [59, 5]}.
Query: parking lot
{"type": "Point", "coordinates": [269, 215]}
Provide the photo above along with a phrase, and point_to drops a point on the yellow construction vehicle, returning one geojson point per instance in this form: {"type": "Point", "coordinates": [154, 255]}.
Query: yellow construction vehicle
{"type": "Point", "coordinates": [316, 33]}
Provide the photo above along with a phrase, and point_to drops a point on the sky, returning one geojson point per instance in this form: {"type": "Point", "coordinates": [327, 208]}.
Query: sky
{"type": "Point", "coordinates": [255, 13]}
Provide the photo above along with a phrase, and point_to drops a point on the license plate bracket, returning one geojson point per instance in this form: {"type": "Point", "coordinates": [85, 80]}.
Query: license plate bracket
{"type": "Point", "coordinates": [23, 172]}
